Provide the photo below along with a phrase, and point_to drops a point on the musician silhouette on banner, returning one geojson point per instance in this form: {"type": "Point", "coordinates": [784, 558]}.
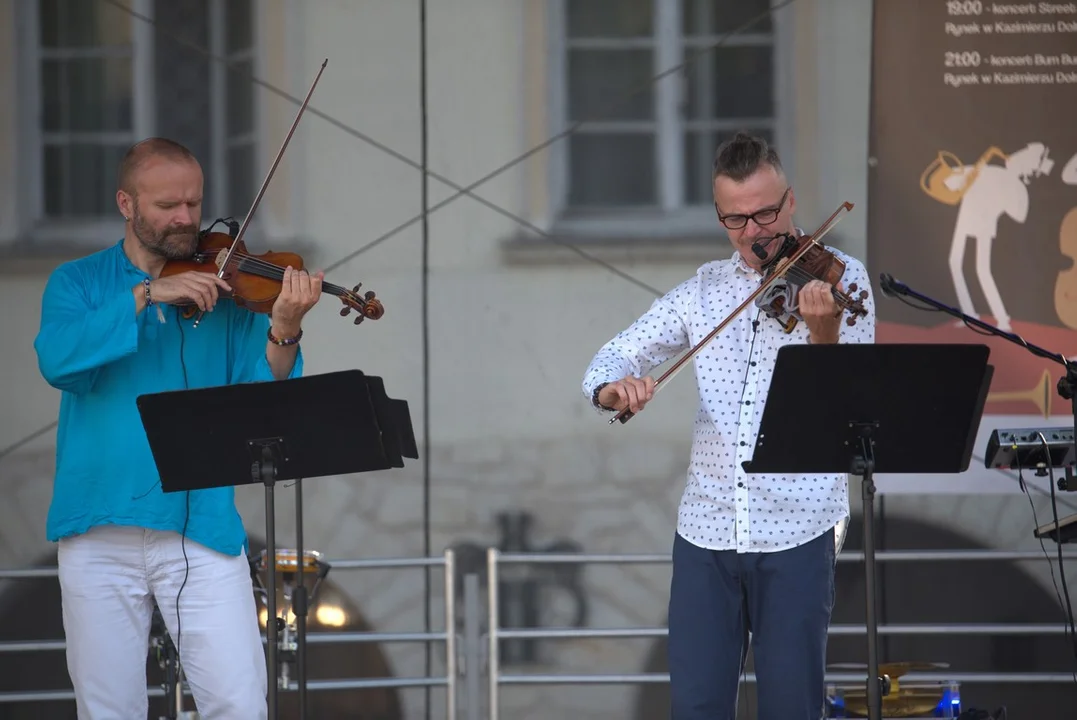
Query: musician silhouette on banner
{"type": "Point", "coordinates": [984, 192]}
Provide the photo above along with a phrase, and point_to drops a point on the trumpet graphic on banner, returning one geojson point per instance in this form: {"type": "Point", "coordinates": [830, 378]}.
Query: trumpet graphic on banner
{"type": "Point", "coordinates": [1039, 395]}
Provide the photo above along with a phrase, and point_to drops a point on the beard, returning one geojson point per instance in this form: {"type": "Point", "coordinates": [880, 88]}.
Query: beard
{"type": "Point", "coordinates": [171, 243]}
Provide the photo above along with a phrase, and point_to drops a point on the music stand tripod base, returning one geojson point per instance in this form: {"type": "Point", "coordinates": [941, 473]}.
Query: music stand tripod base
{"type": "Point", "coordinates": [870, 407]}
{"type": "Point", "coordinates": [264, 433]}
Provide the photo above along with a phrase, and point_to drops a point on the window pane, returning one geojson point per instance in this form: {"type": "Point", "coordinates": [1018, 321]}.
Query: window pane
{"type": "Point", "coordinates": [80, 179]}
{"type": "Point", "coordinates": [609, 18]}
{"type": "Point", "coordinates": [78, 23]}
{"type": "Point", "coordinates": [611, 170]}
{"type": "Point", "coordinates": [731, 82]}
{"type": "Point", "coordinates": [718, 17]}
{"type": "Point", "coordinates": [182, 80]}
{"type": "Point", "coordinates": [240, 98]}
{"type": "Point", "coordinates": [239, 19]}
{"type": "Point", "coordinates": [599, 80]}
{"type": "Point", "coordinates": [86, 95]}
{"type": "Point", "coordinates": [699, 150]}
{"type": "Point", "coordinates": [241, 183]}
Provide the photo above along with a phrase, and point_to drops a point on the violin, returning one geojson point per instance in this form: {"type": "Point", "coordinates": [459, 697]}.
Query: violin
{"type": "Point", "coordinates": [779, 301]}
{"type": "Point", "coordinates": [804, 259]}
{"type": "Point", "coordinates": [256, 279]}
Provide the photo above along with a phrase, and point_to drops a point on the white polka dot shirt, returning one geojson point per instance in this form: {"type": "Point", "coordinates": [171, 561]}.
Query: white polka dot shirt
{"type": "Point", "coordinates": [723, 507]}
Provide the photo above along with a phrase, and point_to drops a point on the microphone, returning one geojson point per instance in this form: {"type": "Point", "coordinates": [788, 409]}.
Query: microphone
{"type": "Point", "coordinates": [890, 286]}
{"type": "Point", "coordinates": [759, 248]}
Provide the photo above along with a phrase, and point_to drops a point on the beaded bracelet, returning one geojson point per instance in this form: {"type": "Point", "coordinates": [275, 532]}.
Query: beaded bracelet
{"type": "Point", "coordinates": [285, 341]}
{"type": "Point", "coordinates": [146, 285]}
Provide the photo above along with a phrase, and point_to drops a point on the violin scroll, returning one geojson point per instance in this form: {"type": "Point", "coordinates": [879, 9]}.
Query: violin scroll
{"type": "Point", "coordinates": [856, 307]}
{"type": "Point", "coordinates": [368, 306]}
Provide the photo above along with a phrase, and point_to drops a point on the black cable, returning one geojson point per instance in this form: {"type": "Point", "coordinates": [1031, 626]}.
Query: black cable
{"type": "Point", "coordinates": [603, 112]}
{"type": "Point", "coordinates": [1067, 612]}
{"type": "Point", "coordinates": [425, 326]}
{"type": "Point", "coordinates": [186, 514]}
{"type": "Point", "coordinates": [461, 191]}
{"type": "Point", "coordinates": [1068, 607]}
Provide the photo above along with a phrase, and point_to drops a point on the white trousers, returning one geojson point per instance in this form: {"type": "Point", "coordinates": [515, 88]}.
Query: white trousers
{"type": "Point", "coordinates": [108, 580]}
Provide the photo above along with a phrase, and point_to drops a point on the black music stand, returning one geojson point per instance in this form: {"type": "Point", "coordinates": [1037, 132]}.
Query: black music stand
{"type": "Point", "coordinates": [867, 409]}
{"type": "Point", "coordinates": [331, 424]}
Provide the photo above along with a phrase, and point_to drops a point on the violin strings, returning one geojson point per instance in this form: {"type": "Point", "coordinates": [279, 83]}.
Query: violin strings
{"type": "Point", "coordinates": [266, 269]}
{"type": "Point", "coordinates": [801, 275]}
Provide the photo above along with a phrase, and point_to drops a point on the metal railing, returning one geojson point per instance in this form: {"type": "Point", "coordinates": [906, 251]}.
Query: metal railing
{"type": "Point", "coordinates": [466, 662]}
{"type": "Point", "coordinates": [495, 634]}
{"type": "Point", "coordinates": [447, 637]}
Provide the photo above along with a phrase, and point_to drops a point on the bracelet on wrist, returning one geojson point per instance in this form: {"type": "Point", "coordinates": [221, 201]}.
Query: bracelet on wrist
{"type": "Point", "coordinates": [594, 397]}
{"type": "Point", "coordinates": [146, 286]}
{"type": "Point", "coordinates": [284, 341]}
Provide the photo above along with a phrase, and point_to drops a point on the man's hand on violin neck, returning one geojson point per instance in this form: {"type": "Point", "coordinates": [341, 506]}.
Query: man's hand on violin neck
{"type": "Point", "coordinates": [631, 392]}
{"type": "Point", "coordinates": [299, 292]}
{"type": "Point", "coordinates": [202, 289]}
{"type": "Point", "coordinates": [820, 311]}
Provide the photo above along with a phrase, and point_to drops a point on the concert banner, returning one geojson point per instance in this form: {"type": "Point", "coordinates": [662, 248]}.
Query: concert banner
{"type": "Point", "coordinates": [972, 198]}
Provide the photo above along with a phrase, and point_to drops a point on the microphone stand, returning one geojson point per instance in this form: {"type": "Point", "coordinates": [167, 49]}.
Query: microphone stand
{"type": "Point", "coordinates": [1067, 384]}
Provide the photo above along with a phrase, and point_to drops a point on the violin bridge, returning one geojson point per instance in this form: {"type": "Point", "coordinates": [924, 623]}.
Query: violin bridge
{"type": "Point", "coordinates": [222, 256]}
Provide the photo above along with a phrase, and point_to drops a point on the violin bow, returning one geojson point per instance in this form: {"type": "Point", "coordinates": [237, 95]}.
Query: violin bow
{"type": "Point", "coordinates": [625, 415]}
{"type": "Point", "coordinates": [265, 182]}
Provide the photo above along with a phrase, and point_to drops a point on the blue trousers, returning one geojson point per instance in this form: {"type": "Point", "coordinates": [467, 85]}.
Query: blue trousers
{"type": "Point", "coordinates": [784, 599]}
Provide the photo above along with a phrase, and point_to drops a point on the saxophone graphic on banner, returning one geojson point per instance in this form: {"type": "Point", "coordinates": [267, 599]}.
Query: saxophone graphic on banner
{"type": "Point", "coordinates": [947, 181]}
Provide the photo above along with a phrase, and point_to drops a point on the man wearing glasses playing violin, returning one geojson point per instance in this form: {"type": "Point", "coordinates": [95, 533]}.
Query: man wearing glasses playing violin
{"type": "Point", "coordinates": [111, 331]}
{"type": "Point", "coordinates": [752, 553]}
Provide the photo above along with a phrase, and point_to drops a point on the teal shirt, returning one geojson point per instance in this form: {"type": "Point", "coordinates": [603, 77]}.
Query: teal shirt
{"type": "Point", "coordinates": [93, 348]}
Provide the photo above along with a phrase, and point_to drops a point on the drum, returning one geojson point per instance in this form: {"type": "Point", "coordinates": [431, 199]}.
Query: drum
{"type": "Point", "coordinates": [286, 566]}
{"type": "Point", "coordinates": [286, 561]}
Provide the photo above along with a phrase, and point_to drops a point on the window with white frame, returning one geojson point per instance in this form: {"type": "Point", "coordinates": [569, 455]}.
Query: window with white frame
{"type": "Point", "coordinates": [652, 151]}
{"type": "Point", "coordinates": [102, 79]}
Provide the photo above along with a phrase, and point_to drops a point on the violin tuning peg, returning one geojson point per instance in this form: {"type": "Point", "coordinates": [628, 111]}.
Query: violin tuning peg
{"type": "Point", "coordinates": [359, 319]}
{"type": "Point", "coordinates": [356, 288]}
{"type": "Point", "coordinates": [850, 321]}
{"type": "Point", "coordinates": [344, 311]}
{"type": "Point", "coordinates": [369, 295]}
{"type": "Point", "coordinates": [863, 294]}
{"type": "Point", "coordinates": [852, 287]}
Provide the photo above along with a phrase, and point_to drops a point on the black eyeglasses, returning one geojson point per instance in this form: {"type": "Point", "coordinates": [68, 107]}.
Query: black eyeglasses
{"type": "Point", "coordinates": [761, 217]}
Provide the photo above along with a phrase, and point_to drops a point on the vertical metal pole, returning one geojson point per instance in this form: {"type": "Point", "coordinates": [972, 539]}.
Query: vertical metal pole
{"type": "Point", "coordinates": [299, 603]}
{"type": "Point", "coordinates": [472, 647]}
{"type": "Point", "coordinates": [494, 620]}
{"type": "Point", "coordinates": [450, 635]}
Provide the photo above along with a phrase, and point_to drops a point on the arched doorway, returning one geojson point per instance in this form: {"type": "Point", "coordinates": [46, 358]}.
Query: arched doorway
{"type": "Point", "coordinates": [934, 593]}
{"type": "Point", "coordinates": [30, 611]}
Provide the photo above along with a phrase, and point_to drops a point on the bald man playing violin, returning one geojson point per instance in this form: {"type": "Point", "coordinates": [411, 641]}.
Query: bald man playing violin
{"type": "Point", "coordinates": [753, 555]}
{"type": "Point", "coordinates": [111, 330]}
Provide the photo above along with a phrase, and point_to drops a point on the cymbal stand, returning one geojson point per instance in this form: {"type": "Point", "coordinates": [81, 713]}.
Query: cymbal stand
{"type": "Point", "coordinates": [162, 646]}
{"type": "Point", "coordinates": [295, 603]}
